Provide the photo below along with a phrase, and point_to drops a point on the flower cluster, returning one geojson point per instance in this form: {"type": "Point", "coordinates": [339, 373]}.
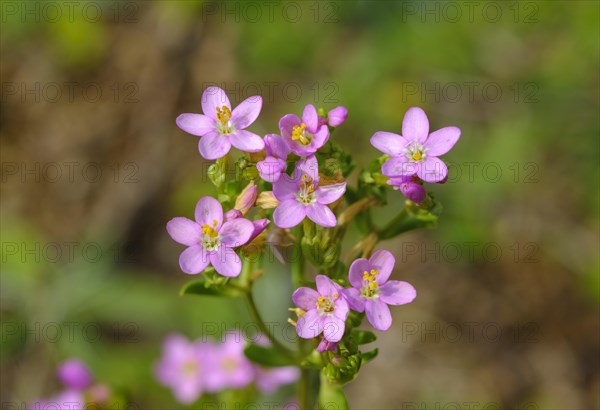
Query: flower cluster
{"type": "Point", "coordinates": [191, 368]}
{"type": "Point", "coordinates": [298, 179]}
{"type": "Point", "coordinates": [80, 391]}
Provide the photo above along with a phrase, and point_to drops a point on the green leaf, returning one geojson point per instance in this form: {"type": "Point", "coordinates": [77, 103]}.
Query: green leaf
{"type": "Point", "coordinates": [363, 337]}
{"type": "Point", "coordinates": [332, 396]}
{"type": "Point", "coordinates": [203, 287]}
{"type": "Point", "coordinates": [368, 356]}
{"type": "Point", "coordinates": [267, 356]}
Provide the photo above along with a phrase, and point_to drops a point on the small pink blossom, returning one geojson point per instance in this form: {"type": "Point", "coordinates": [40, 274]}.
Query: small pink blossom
{"type": "Point", "coordinates": [304, 136]}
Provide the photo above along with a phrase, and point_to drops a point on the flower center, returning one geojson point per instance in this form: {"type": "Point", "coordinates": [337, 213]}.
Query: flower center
{"type": "Point", "coordinates": [306, 193]}
{"type": "Point", "coordinates": [325, 305]}
{"type": "Point", "coordinates": [370, 288]}
{"type": "Point", "coordinates": [210, 236]}
{"type": "Point", "coordinates": [300, 134]}
{"type": "Point", "coordinates": [416, 152]}
{"type": "Point", "coordinates": [229, 364]}
{"type": "Point", "coordinates": [190, 368]}
{"type": "Point", "coordinates": [224, 124]}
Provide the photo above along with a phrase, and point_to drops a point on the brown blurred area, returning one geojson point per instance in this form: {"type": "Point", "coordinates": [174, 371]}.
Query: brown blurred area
{"type": "Point", "coordinates": [516, 331]}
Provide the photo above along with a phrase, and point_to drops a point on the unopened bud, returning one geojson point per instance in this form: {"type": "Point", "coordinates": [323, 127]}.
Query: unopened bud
{"type": "Point", "coordinates": [245, 200]}
{"type": "Point", "coordinates": [266, 200]}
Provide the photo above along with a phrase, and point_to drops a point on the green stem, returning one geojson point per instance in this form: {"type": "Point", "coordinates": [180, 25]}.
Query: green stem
{"type": "Point", "coordinates": [298, 265]}
{"type": "Point", "coordinates": [264, 329]}
{"type": "Point", "coordinates": [394, 227]}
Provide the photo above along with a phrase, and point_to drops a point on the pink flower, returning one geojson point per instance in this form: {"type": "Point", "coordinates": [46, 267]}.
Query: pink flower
{"type": "Point", "coordinates": [67, 399]}
{"type": "Point", "coordinates": [229, 367]}
{"type": "Point", "coordinates": [183, 367]}
{"type": "Point", "coordinates": [326, 310]}
{"type": "Point", "coordinates": [371, 291]}
{"type": "Point", "coordinates": [409, 188]}
{"type": "Point", "coordinates": [269, 380]}
{"type": "Point", "coordinates": [274, 164]}
{"type": "Point", "coordinates": [304, 136]}
{"type": "Point", "coordinates": [416, 152]}
{"type": "Point", "coordinates": [209, 240]}
{"type": "Point", "coordinates": [220, 127]}
{"type": "Point", "coordinates": [74, 374]}
{"type": "Point", "coordinates": [325, 345]}
{"type": "Point", "coordinates": [301, 196]}
{"type": "Point", "coordinates": [334, 117]}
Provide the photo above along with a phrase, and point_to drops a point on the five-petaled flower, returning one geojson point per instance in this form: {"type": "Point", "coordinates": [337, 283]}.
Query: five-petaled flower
{"type": "Point", "coordinates": [274, 164]}
{"type": "Point", "coordinates": [371, 291]}
{"type": "Point", "coordinates": [301, 196]}
{"type": "Point", "coordinates": [210, 240]}
{"type": "Point", "coordinates": [326, 310]}
{"type": "Point", "coordinates": [416, 151]}
{"type": "Point", "coordinates": [304, 136]}
{"type": "Point", "coordinates": [220, 127]}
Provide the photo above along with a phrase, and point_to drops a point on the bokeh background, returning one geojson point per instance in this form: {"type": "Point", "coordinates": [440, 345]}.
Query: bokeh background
{"type": "Point", "coordinates": [507, 314]}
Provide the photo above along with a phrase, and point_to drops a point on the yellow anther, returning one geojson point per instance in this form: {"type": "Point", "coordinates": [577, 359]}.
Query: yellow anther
{"type": "Point", "coordinates": [325, 304]}
{"type": "Point", "coordinates": [209, 230]}
{"type": "Point", "coordinates": [215, 223]}
{"type": "Point", "coordinates": [298, 134]}
{"type": "Point", "coordinates": [374, 272]}
{"type": "Point", "coordinates": [373, 286]}
{"type": "Point", "coordinates": [335, 296]}
{"type": "Point", "coordinates": [223, 114]}
{"type": "Point", "coordinates": [417, 156]}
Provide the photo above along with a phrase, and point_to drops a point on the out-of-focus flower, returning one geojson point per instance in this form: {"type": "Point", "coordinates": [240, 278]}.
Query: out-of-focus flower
{"type": "Point", "coordinates": [304, 136]}
{"type": "Point", "coordinates": [301, 196]}
{"type": "Point", "coordinates": [183, 367]}
{"type": "Point", "coordinates": [68, 399]}
{"type": "Point", "coordinates": [371, 291]}
{"type": "Point", "coordinates": [210, 240]}
{"type": "Point", "coordinates": [269, 380]}
{"type": "Point", "coordinates": [274, 164]}
{"type": "Point", "coordinates": [245, 200]}
{"type": "Point", "coordinates": [326, 310]}
{"type": "Point", "coordinates": [416, 152]}
{"type": "Point", "coordinates": [220, 127]}
{"type": "Point", "coordinates": [409, 188]}
{"type": "Point", "coordinates": [228, 366]}
{"type": "Point", "coordinates": [335, 117]}
{"type": "Point", "coordinates": [74, 374]}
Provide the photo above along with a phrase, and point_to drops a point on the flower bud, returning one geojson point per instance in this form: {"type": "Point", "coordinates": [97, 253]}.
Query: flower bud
{"type": "Point", "coordinates": [74, 374]}
{"type": "Point", "coordinates": [245, 200]}
{"type": "Point", "coordinates": [266, 200]}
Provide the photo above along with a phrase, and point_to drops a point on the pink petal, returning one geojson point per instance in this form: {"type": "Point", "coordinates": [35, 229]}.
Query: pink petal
{"type": "Point", "coordinates": [212, 98]}
{"type": "Point", "coordinates": [306, 298]}
{"type": "Point", "coordinates": [415, 126]}
{"type": "Point", "coordinates": [270, 168]}
{"type": "Point", "coordinates": [311, 118]}
{"type": "Point", "coordinates": [246, 113]}
{"type": "Point", "coordinates": [319, 138]}
{"type": "Point", "coordinates": [432, 170]}
{"type": "Point", "coordinates": [308, 166]}
{"type": "Point", "coordinates": [277, 146]}
{"type": "Point", "coordinates": [196, 124]}
{"type": "Point", "coordinates": [354, 299]}
{"type": "Point", "coordinates": [333, 329]}
{"type": "Point", "coordinates": [321, 214]}
{"type": "Point", "coordinates": [184, 231]}
{"type": "Point", "coordinates": [341, 305]}
{"type": "Point", "coordinates": [397, 292]}
{"type": "Point", "coordinates": [193, 260]}
{"type": "Point", "coordinates": [357, 270]}
{"type": "Point", "coordinates": [286, 125]}
{"type": "Point", "coordinates": [209, 210]}
{"type": "Point", "coordinates": [226, 262]}
{"type": "Point", "coordinates": [399, 166]}
{"type": "Point", "coordinates": [246, 141]}
{"type": "Point", "coordinates": [326, 287]}
{"type": "Point", "coordinates": [441, 141]}
{"type": "Point", "coordinates": [285, 188]}
{"type": "Point", "coordinates": [214, 146]}
{"type": "Point", "coordinates": [310, 324]}
{"type": "Point", "coordinates": [388, 143]}
{"type": "Point", "coordinates": [236, 232]}
{"type": "Point", "coordinates": [383, 261]}
{"type": "Point", "coordinates": [378, 314]}
{"type": "Point", "coordinates": [337, 116]}
{"type": "Point", "coordinates": [330, 193]}
{"type": "Point", "coordinates": [289, 213]}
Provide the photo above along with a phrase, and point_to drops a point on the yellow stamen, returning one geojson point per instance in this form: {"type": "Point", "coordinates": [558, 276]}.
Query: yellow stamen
{"type": "Point", "coordinates": [298, 134]}
{"type": "Point", "coordinates": [417, 156]}
{"type": "Point", "coordinates": [223, 114]}
{"type": "Point", "coordinates": [325, 304]}
{"type": "Point", "coordinates": [209, 230]}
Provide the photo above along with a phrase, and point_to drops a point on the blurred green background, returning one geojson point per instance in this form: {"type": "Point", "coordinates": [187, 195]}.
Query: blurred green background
{"type": "Point", "coordinates": [93, 166]}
